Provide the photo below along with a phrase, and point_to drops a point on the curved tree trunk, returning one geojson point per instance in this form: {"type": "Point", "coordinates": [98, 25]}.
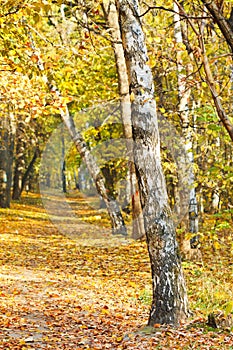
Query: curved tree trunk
{"type": "Point", "coordinates": [169, 305]}
{"type": "Point", "coordinates": [29, 169]}
{"type": "Point", "coordinates": [118, 226]}
{"type": "Point", "coordinates": [117, 222]}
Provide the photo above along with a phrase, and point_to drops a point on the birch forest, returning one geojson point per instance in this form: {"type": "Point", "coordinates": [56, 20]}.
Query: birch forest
{"type": "Point", "coordinates": [116, 174]}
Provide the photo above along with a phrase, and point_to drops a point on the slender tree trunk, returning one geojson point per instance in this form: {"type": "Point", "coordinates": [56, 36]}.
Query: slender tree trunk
{"type": "Point", "coordinates": [7, 134]}
{"type": "Point", "coordinates": [19, 162]}
{"type": "Point", "coordinates": [114, 212]}
{"type": "Point", "coordinates": [63, 162]}
{"type": "Point", "coordinates": [111, 14]}
{"type": "Point", "coordinates": [225, 25]}
{"type": "Point", "coordinates": [29, 169]}
{"type": "Point", "coordinates": [3, 169]}
{"type": "Point", "coordinates": [211, 84]}
{"type": "Point", "coordinates": [117, 222]}
{"type": "Point", "coordinates": [10, 155]}
{"type": "Point", "coordinates": [187, 158]}
{"type": "Point", "coordinates": [169, 305]}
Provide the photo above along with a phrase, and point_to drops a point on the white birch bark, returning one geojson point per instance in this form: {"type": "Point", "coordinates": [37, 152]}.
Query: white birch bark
{"type": "Point", "coordinates": [169, 305]}
{"type": "Point", "coordinates": [184, 113]}
{"type": "Point", "coordinates": [112, 206]}
{"type": "Point", "coordinates": [123, 82]}
{"type": "Point", "coordinates": [117, 222]}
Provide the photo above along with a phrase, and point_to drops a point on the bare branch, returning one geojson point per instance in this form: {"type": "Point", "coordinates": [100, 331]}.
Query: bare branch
{"type": "Point", "coordinates": [223, 23]}
{"type": "Point", "coordinates": [181, 13]}
{"type": "Point", "coordinates": [15, 9]}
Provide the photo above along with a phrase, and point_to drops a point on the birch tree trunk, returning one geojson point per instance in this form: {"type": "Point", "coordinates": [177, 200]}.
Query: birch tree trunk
{"type": "Point", "coordinates": [111, 15]}
{"type": "Point", "coordinates": [117, 222]}
{"type": "Point", "coordinates": [187, 158]}
{"type": "Point", "coordinates": [169, 305]}
{"type": "Point", "coordinates": [118, 226]}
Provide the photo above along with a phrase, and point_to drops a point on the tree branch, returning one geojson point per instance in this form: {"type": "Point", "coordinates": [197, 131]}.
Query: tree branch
{"type": "Point", "coordinates": [15, 10]}
{"type": "Point", "coordinates": [182, 14]}
{"type": "Point", "coordinates": [223, 23]}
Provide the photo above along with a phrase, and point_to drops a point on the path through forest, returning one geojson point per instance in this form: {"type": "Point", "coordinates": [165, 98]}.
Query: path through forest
{"type": "Point", "coordinates": [88, 290]}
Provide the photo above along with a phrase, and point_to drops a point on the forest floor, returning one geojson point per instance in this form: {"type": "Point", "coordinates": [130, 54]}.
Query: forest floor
{"type": "Point", "coordinates": [87, 289]}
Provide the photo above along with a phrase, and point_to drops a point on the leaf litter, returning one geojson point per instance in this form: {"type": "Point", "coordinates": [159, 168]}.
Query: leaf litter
{"type": "Point", "coordinates": [88, 291]}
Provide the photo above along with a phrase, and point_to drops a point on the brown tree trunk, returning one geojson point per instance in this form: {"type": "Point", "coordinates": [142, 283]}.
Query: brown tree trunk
{"type": "Point", "coordinates": [6, 159]}
{"type": "Point", "coordinates": [29, 169]}
{"type": "Point", "coordinates": [19, 162]}
{"type": "Point", "coordinates": [211, 84]}
{"type": "Point", "coordinates": [3, 171]}
{"type": "Point", "coordinates": [225, 25]}
{"type": "Point", "coordinates": [169, 305]}
{"type": "Point", "coordinates": [63, 166]}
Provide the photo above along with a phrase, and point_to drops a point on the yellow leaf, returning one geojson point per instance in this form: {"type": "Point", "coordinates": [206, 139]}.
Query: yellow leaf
{"type": "Point", "coordinates": [132, 97]}
{"type": "Point", "coordinates": [217, 245]}
{"type": "Point", "coordinates": [229, 308]}
{"type": "Point", "coordinates": [157, 39]}
{"type": "Point", "coordinates": [119, 339]}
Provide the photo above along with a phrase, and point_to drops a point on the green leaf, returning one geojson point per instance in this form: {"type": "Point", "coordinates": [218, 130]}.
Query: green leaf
{"type": "Point", "coordinates": [213, 127]}
{"type": "Point", "coordinates": [228, 307]}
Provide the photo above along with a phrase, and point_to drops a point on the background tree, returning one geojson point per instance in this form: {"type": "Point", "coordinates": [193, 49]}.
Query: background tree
{"type": "Point", "coordinates": [117, 221]}
{"type": "Point", "coordinates": [6, 159]}
{"type": "Point", "coordinates": [74, 38]}
{"type": "Point", "coordinates": [111, 15]}
{"type": "Point", "coordinates": [204, 119]}
{"type": "Point", "coordinates": [184, 92]}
